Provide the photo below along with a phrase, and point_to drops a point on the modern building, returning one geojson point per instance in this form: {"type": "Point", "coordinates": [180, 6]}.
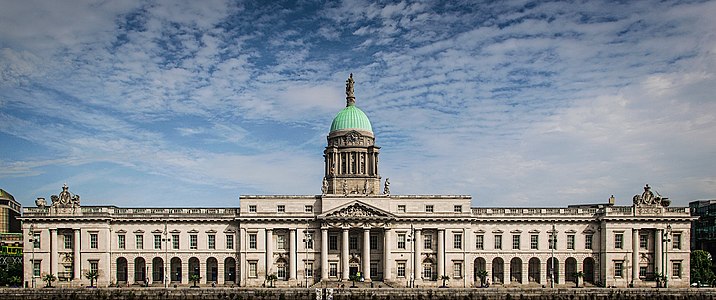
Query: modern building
{"type": "Point", "coordinates": [9, 213]}
{"type": "Point", "coordinates": [357, 228]}
{"type": "Point", "coordinates": [703, 228]}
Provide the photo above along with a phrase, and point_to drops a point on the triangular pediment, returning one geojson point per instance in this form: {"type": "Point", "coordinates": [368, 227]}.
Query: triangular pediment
{"type": "Point", "coordinates": [356, 210]}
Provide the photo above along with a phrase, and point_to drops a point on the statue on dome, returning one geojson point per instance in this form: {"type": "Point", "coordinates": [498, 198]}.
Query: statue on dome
{"type": "Point", "coordinates": [386, 188]}
{"type": "Point", "coordinates": [324, 188]}
{"type": "Point", "coordinates": [349, 86]}
{"type": "Point", "coordinates": [345, 187]}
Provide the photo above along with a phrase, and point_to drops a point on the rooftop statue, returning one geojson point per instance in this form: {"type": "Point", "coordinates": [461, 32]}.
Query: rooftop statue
{"type": "Point", "coordinates": [349, 87]}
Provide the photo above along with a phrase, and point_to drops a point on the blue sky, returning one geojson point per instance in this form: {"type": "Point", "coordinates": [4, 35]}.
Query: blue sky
{"type": "Point", "coordinates": [517, 103]}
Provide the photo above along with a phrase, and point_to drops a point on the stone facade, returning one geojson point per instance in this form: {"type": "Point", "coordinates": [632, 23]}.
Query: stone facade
{"type": "Point", "coordinates": [356, 228]}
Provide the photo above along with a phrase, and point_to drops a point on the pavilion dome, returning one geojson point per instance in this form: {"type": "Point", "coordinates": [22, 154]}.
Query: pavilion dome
{"type": "Point", "coordinates": [351, 117]}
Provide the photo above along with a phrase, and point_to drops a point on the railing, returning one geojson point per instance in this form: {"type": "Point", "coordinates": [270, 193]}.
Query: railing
{"type": "Point", "coordinates": [535, 211]}
{"type": "Point", "coordinates": [115, 211]}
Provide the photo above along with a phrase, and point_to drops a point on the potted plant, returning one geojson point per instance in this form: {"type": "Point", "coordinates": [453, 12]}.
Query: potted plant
{"type": "Point", "coordinates": [354, 278]}
{"type": "Point", "coordinates": [194, 279]}
{"type": "Point", "coordinates": [49, 278]}
{"type": "Point", "coordinates": [444, 278]}
{"type": "Point", "coordinates": [92, 276]}
{"type": "Point", "coordinates": [271, 278]}
{"type": "Point", "coordinates": [578, 275]}
{"type": "Point", "coordinates": [482, 274]}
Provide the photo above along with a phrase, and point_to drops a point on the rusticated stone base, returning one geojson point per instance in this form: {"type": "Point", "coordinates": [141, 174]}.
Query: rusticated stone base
{"type": "Point", "coordinates": [354, 294]}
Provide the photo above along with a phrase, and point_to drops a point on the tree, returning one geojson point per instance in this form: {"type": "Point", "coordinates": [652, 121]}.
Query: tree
{"type": "Point", "coordinates": [482, 274]}
{"type": "Point", "coordinates": [195, 279]}
{"type": "Point", "coordinates": [444, 278]}
{"type": "Point", "coordinates": [354, 278]}
{"type": "Point", "coordinates": [702, 267]}
{"type": "Point", "coordinates": [271, 278]}
{"type": "Point", "coordinates": [49, 278]}
{"type": "Point", "coordinates": [578, 276]}
{"type": "Point", "coordinates": [92, 276]}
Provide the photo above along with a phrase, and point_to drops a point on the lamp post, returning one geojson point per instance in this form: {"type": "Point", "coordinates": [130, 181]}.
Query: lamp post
{"type": "Point", "coordinates": [306, 239]}
{"type": "Point", "coordinates": [32, 240]}
{"type": "Point", "coordinates": [665, 261]}
{"type": "Point", "coordinates": [553, 244]}
{"type": "Point", "coordinates": [411, 235]}
{"type": "Point", "coordinates": [166, 238]}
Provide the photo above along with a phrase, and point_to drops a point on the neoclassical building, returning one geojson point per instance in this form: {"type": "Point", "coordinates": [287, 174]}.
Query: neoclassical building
{"type": "Point", "coordinates": [356, 227]}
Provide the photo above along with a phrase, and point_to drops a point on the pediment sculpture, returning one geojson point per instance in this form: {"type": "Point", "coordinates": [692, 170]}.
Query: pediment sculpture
{"type": "Point", "coordinates": [65, 199]}
{"type": "Point", "coordinates": [356, 211]}
{"type": "Point", "coordinates": [649, 198]}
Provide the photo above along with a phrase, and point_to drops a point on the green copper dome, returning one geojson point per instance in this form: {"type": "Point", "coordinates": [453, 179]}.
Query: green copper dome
{"type": "Point", "coordinates": [351, 117]}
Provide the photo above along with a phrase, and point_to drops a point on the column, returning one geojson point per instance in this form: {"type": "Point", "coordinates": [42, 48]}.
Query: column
{"type": "Point", "coordinates": [635, 255]}
{"type": "Point", "coordinates": [417, 247]}
{"type": "Point", "coordinates": [345, 255]}
{"type": "Point", "coordinates": [76, 256]}
{"type": "Point", "coordinates": [269, 250]}
{"type": "Point", "coordinates": [441, 252]}
{"type": "Point", "coordinates": [293, 257]}
{"type": "Point", "coordinates": [657, 251]}
{"type": "Point", "coordinates": [54, 257]}
{"type": "Point", "coordinates": [387, 268]}
{"type": "Point", "coordinates": [366, 254]}
{"type": "Point", "coordinates": [324, 253]}
{"type": "Point", "coordinates": [243, 240]}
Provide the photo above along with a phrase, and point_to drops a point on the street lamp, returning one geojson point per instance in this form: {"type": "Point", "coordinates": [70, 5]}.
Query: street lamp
{"type": "Point", "coordinates": [665, 261]}
{"type": "Point", "coordinates": [553, 244]}
{"type": "Point", "coordinates": [306, 239]}
{"type": "Point", "coordinates": [166, 283]}
{"type": "Point", "coordinates": [411, 281]}
{"type": "Point", "coordinates": [32, 240]}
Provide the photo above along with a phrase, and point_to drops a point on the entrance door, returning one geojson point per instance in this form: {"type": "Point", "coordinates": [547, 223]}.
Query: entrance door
{"type": "Point", "coordinates": [353, 270]}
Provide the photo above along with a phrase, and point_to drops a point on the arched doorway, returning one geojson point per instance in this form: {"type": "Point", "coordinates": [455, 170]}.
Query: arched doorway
{"type": "Point", "coordinates": [176, 270]}
{"type": "Point", "coordinates": [553, 270]}
{"type": "Point", "coordinates": [570, 270]}
{"type": "Point", "coordinates": [498, 270]}
{"type": "Point", "coordinates": [353, 267]}
{"type": "Point", "coordinates": [140, 270]}
{"type": "Point", "coordinates": [480, 267]}
{"type": "Point", "coordinates": [212, 270]}
{"type": "Point", "coordinates": [516, 270]}
{"type": "Point", "coordinates": [229, 270]}
{"type": "Point", "coordinates": [429, 270]}
{"type": "Point", "coordinates": [533, 270]}
{"type": "Point", "coordinates": [122, 270]}
{"type": "Point", "coordinates": [157, 269]}
{"type": "Point", "coordinates": [588, 266]}
{"type": "Point", "coordinates": [193, 268]}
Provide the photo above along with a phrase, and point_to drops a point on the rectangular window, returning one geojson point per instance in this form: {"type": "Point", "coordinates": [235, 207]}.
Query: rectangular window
{"type": "Point", "coordinates": [175, 241]}
{"type": "Point", "coordinates": [332, 242]}
{"type": "Point", "coordinates": [479, 242]}
{"type": "Point", "coordinates": [121, 242]}
{"type": "Point", "coordinates": [309, 269]}
{"type": "Point", "coordinates": [281, 208]}
{"type": "Point", "coordinates": [552, 241]}
{"type": "Point", "coordinates": [252, 241]}
{"type": "Point", "coordinates": [618, 268]}
{"type": "Point", "coordinates": [401, 208]}
{"type": "Point", "coordinates": [498, 241]}
{"type": "Point", "coordinates": [676, 241]}
{"type": "Point", "coordinates": [401, 241]}
{"type": "Point", "coordinates": [333, 269]}
{"type": "Point", "coordinates": [309, 240]}
{"type": "Point", "coordinates": [401, 269]}
{"type": "Point", "coordinates": [428, 241]}
{"type": "Point", "coordinates": [36, 241]}
{"type": "Point", "coordinates": [516, 242]}
{"type": "Point", "coordinates": [643, 241]}
{"type": "Point", "coordinates": [429, 208]}
{"type": "Point", "coordinates": [570, 241]}
{"type": "Point", "coordinates": [157, 241]}
{"type": "Point", "coordinates": [94, 266]}
{"type": "Point", "coordinates": [642, 271]}
{"type": "Point", "coordinates": [373, 268]}
{"type": "Point", "coordinates": [252, 208]}
{"type": "Point", "coordinates": [457, 270]}
{"type": "Point", "coordinates": [68, 241]}
{"type": "Point", "coordinates": [457, 208]}
{"type": "Point", "coordinates": [308, 208]}
{"type": "Point", "coordinates": [676, 269]}
{"type": "Point", "coordinates": [252, 269]}
{"type": "Point", "coordinates": [212, 241]}
{"type": "Point", "coordinates": [93, 240]}
{"type": "Point", "coordinates": [229, 241]}
{"type": "Point", "coordinates": [139, 239]}
{"type": "Point", "coordinates": [588, 241]}
{"type": "Point", "coordinates": [534, 242]}
{"type": "Point", "coordinates": [373, 243]}
{"type": "Point", "coordinates": [457, 241]}
{"type": "Point", "coordinates": [618, 241]}
{"type": "Point", "coordinates": [193, 241]}
{"type": "Point", "coordinates": [36, 268]}
{"type": "Point", "coordinates": [281, 242]}
{"type": "Point", "coordinates": [353, 242]}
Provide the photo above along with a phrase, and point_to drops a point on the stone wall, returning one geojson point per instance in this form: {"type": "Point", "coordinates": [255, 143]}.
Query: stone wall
{"type": "Point", "coordinates": [355, 294]}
